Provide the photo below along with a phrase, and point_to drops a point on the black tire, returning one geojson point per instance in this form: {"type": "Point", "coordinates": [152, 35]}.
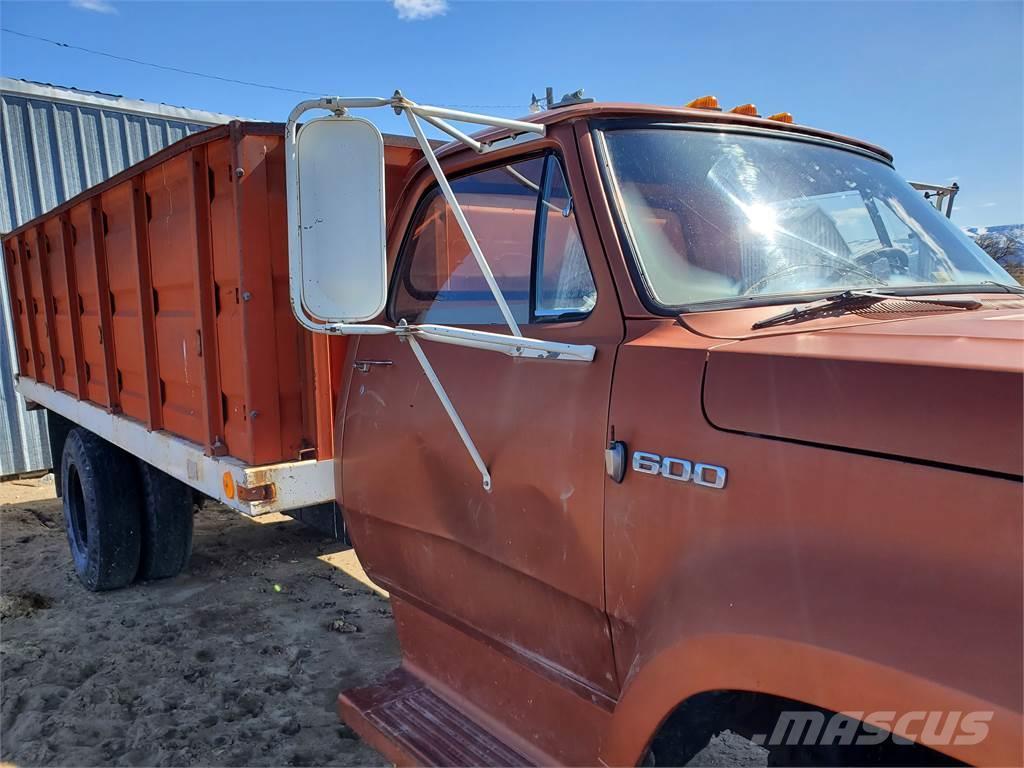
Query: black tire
{"type": "Point", "coordinates": [888, 754]}
{"type": "Point", "coordinates": [101, 511]}
{"type": "Point", "coordinates": [166, 524]}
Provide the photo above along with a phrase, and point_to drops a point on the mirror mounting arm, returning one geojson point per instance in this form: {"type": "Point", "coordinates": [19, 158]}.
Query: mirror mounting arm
{"type": "Point", "coordinates": [515, 345]}
{"type": "Point", "coordinates": [446, 403]}
{"type": "Point", "coordinates": [460, 217]}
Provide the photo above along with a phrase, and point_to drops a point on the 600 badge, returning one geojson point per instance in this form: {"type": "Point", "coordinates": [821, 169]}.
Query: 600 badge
{"type": "Point", "coordinates": [680, 470]}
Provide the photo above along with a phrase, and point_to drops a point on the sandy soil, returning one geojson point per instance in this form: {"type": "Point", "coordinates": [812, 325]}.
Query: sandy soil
{"type": "Point", "coordinates": [236, 662]}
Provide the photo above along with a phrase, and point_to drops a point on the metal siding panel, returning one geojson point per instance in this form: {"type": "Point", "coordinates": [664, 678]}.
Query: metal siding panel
{"type": "Point", "coordinates": [25, 204]}
{"type": "Point", "coordinates": [113, 136]}
{"type": "Point", "coordinates": [53, 150]}
{"type": "Point", "coordinates": [43, 142]}
{"type": "Point", "coordinates": [175, 132]}
{"type": "Point", "coordinates": [6, 180]}
{"type": "Point", "coordinates": [90, 147]}
{"type": "Point", "coordinates": [136, 146]}
{"type": "Point", "coordinates": [65, 142]}
{"type": "Point", "coordinates": [156, 135]}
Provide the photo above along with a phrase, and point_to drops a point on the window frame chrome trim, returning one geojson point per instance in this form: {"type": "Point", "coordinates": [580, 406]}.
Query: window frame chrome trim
{"type": "Point", "coordinates": [403, 254]}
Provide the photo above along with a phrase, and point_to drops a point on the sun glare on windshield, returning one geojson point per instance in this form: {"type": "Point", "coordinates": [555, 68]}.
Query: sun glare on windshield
{"type": "Point", "coordinates": [761, 219]}
{"type": "Point", "coordinates": [714, 216]}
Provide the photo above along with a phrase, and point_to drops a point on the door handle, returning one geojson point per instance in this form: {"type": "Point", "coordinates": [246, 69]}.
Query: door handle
{"type": "Point", "coordinates": [363, 366]}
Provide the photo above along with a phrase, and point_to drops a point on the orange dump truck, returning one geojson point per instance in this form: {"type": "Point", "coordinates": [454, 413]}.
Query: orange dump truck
{"type": "Point", "coordinates": [654, 422]}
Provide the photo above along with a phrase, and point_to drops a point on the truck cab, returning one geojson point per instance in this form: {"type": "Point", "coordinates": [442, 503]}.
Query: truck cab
{"type": "Point", "coordinates": [789, 479]}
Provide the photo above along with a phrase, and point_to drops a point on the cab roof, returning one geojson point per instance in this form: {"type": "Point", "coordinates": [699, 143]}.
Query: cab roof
{"type": "Point", "coordinates": [611, 110]}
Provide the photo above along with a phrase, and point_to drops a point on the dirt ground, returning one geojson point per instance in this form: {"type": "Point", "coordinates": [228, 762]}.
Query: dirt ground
{"type": "Point", "coordinates": [236, 662]}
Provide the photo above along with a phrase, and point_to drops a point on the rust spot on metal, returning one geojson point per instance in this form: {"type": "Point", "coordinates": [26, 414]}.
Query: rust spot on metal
{"type": "Point", "coordinates": [257, 492]}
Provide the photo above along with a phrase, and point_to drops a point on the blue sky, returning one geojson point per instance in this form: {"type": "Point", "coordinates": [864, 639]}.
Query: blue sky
{"type": "Point", "coordinates": [941, 85]}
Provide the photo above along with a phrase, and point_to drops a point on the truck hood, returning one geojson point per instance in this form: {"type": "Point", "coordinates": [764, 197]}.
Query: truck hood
{"type": "Point", "coordinates": [946, 388]}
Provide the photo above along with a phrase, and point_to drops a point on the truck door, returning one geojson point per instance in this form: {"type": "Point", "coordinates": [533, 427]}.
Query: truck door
{"type": "Point", "coordinates": [523, 563]}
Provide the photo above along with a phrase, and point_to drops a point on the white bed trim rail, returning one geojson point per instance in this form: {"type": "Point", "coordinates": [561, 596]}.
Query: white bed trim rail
{"type": "Point", "coordinates": [284, 486]}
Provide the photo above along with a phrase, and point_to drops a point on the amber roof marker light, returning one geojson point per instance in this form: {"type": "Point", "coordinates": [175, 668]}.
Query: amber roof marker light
{"type": "Point", "coordinates": [750, 110]}
{"type": "Point", "coordinates": [781, 117]}
{"type": "Point", "coordinates": [704, 102]}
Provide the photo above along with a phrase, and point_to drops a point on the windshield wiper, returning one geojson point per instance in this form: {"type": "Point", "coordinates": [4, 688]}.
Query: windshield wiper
{"type": "Point", "coordinates": [848, 301]}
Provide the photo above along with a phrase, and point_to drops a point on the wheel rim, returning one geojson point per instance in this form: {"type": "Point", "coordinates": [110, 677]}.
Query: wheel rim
{"type": "Point", "coordinates": [78, 527]}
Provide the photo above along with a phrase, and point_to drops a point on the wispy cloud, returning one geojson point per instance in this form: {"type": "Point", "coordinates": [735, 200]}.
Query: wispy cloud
{"type": "Point", "coordinates": [408, 10]}
{"type": "Point", "coordinates": [988, 205]}
{"type": "Point", "coordinates": [96, 6]}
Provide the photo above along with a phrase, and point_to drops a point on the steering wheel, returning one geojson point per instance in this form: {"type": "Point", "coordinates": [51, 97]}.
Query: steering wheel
{"type": "Point", "coordinates": [840, 269]}
{"type": "Point", "coordinates": [899, 263]}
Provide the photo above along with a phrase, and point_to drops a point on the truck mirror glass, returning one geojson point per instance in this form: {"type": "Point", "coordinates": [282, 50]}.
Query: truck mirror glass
{"type": "Point", "coordinates": [337, 244]}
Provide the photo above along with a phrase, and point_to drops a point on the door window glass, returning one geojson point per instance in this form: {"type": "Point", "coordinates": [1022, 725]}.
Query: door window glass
{"type": "Point", "coordinates": [565, 286]}
{"type": "Point", "coordinates": [440, 280]}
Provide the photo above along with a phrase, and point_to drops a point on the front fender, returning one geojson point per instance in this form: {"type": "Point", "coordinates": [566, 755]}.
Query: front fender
{"type": "Point", "coordinates": [783, 668]}
{"type": "Point", "coordinates": [848, 581]}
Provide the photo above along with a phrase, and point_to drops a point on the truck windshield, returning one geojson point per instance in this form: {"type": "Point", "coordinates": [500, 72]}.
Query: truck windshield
{"type": "Point", "coordinates": [720, 215]}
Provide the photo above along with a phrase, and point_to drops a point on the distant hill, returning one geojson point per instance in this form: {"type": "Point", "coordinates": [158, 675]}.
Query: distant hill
{"type": "Point", "coordinates": [1010, 234]}
{"type": "Point", "coordinates": [1016, 230]}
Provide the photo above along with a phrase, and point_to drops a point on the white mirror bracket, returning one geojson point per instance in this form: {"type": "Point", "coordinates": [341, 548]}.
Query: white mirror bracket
{"type": "Point", "coordinates": [514, 345]}
{"type": "Point", "coordinates": [453, 415]}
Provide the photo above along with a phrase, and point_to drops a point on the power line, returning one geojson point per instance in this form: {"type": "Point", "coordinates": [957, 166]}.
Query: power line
{"type": "Point", "coordinates": [234, 81]}
{"type": "Point", "coordinates": [179, 70]}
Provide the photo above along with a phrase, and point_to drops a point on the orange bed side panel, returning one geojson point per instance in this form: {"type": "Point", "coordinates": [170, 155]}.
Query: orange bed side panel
{"type": "Point", "coordinates": [55, 276]}
{"type": "Point", "coordinates": [227, 297]}
{"type": "Point", "coordinates": [172, 233]}
{"type": "Point", "coordinates": [124, 267]}
{"type": "Point", "coordinates": [162, 295]}
{"type": "Point", "coordinates": [34, 250]}
{"type": "Point", "coordinates": [14, 262]}
{"type": "Point", "coordinates": [277, 380]}
{"type": "Point", "coordinates": [90, 313]}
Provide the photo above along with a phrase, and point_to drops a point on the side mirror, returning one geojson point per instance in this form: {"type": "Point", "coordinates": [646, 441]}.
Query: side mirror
{"type": "Point", "coordinates": [337, 247]}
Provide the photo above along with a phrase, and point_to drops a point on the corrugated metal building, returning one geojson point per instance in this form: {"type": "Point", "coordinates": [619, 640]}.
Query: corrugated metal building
{"type": "Point", "coordinates": [57, 142]}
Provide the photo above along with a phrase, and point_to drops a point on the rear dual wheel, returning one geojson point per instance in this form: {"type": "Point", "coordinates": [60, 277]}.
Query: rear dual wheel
{"type": "Point", "coordinates": [125, 520]}
{"type": "Point", "coordinates": [101, 511]}
{"type": "Point", "coordinates": [166, 524]}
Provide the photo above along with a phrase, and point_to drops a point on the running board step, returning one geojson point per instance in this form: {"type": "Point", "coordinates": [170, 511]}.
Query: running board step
{"type": "Point", "coordinates": [411, 725]}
